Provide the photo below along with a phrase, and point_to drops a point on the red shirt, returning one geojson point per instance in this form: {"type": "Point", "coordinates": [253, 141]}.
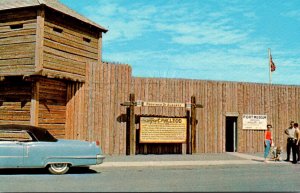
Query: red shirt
{"type": "Point", "coordinates": [268, 135]}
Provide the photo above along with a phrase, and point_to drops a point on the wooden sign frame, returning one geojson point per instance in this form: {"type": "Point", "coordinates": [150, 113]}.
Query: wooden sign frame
{"type": "Point", "coordinates": [131, 129]}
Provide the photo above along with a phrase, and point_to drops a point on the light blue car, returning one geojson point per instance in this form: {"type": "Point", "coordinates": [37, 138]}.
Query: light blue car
{"type": "Point", "coordinates": [24, 146]}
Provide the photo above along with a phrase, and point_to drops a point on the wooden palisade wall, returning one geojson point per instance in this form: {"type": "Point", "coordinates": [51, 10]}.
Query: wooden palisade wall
{"type": "Point", "coordinates": [93, 108]}
{"type": "Point", "coordinates": [94, 113]}
{"type": "Point", "coordinates": [280, 103]}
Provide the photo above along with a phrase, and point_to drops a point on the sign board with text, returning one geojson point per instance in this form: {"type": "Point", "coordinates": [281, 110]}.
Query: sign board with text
{"type": "Point", "coordinates": [163, 104]}
{"type": "Point", "coordinates": [255, 122]}
{"type": "Point", "coordinates": [163, 130]}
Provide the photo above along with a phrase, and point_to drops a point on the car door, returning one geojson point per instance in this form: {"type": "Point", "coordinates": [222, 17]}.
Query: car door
{"type": "Point", "coordinates": [12, 148]}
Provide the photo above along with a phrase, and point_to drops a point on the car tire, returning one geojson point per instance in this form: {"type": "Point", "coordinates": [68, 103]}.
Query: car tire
{"type": "Point", "coordinates": [58, 168]}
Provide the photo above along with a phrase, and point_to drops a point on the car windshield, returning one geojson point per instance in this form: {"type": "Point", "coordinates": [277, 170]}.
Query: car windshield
{"type": "Point", "coordinates": [43, 135]}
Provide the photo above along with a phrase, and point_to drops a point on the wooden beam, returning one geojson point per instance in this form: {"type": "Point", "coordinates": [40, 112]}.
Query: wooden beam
{"type": "Point", "coordinates": [188, 133]}
{"type": "Point", "coordinates": [132, 126]}
{"type": "Point", "coordinates": [127, 131]}
{"type": "Point", "coordinates": [39, 39]}
{"type": "Point", "coordinates": [100, 47]}
{"type": "Point", "coordinates": [34, 109]}
{"type": "Point", "coordinates": [193, 124]}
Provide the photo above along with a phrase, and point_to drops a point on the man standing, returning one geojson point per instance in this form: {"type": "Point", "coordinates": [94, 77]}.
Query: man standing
{"type": "Point", "coordinates": [297, 145]}
{"type": "Point", "coordinates": [290, 132]}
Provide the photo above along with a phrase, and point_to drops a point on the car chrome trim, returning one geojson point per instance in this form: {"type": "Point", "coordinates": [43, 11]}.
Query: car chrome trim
{"type": "Point", "coordinates": [72, 157]}
{"type": "Point", "coordinates": [100, 159]}
{"type": "Point", "coordinates": [58, 163]}
{"type": "Point", "coordinates": [10, 156]}
{"type": "Point", "coordinates": [100, 156]}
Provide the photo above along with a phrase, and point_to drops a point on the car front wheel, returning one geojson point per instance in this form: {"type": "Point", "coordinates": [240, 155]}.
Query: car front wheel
{"type": "Point", "coordinates": [58, 168]}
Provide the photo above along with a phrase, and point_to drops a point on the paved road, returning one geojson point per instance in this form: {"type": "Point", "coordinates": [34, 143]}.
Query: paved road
{"type": "Point", "coordinates": [251, 177]}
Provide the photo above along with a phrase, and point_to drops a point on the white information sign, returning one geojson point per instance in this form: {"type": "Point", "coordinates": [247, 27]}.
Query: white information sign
{"type": "Point", "coordinates": [255, 122]}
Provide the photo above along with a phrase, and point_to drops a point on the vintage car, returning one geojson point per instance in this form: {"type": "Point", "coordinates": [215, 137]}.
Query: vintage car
{"type": "Point", "coordinates": [24, 146]}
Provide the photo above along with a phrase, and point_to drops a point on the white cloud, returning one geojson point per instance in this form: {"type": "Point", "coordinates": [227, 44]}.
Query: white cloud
{"type": "Point", "coordinates": [210, 64]}
{"type": "Point", "coordinates": [181, 23]}
{"type": "Point", "coordinates": [215, 29]}
{"type": "Point", "coordinates": [292, 13]}
{"type": "Point", "coordinates": [123, 23]}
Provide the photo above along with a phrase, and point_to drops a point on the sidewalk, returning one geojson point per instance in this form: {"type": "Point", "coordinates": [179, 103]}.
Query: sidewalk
{"type": "Point", "coordinates": [153, 160]}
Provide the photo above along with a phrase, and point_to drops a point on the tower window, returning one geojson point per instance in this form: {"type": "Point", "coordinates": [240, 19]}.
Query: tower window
{"type": "Point", "coordinates": [58, 30]}
{"type": "Point", "coordinates": [16, 26]}
{"type": "Point", "coordinates": [86, 40]}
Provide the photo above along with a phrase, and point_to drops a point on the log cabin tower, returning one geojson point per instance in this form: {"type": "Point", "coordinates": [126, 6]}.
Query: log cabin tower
{"type": "Point", "coordinates": [45, 48]}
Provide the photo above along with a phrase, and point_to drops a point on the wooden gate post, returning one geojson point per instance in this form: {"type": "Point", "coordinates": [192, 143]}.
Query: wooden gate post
{"type": "Point", "coordinates": [132, 124]}
{"type": "Point", "coordinates": [127, 131]}
{"type": "Point", "coordinates": [193, 123]}
{"type": "Point", "coordinates": [188, 133]}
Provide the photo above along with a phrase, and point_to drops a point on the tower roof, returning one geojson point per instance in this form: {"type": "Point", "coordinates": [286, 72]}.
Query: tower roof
{"type": "Point", "coordinates": [53, 4]}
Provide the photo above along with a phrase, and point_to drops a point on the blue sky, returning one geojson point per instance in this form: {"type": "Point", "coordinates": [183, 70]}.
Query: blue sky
{"type": "Point", "coordinates": [225, 40]}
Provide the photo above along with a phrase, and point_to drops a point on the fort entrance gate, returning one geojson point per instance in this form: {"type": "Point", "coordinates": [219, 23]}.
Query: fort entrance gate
{"type": "Point", "coordinates": [153, 130]}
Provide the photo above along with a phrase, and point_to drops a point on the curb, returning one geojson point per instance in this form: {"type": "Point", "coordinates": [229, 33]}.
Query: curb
{"type": "Point", "coordinates": [181, 163]}
{"type": "Point", "coordinates": [171, 163]}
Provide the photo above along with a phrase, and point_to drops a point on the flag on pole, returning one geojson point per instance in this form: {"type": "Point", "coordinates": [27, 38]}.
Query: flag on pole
{"type": "Point", "coordinates": [272, 65]}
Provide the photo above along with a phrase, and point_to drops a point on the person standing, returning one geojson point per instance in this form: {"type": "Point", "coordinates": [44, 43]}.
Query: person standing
{"type": "Point", "coordinates": [267, 141]}
{"type": "Point", "coordinates": [296, 144]}
{"type": "Point", "coordinates": [290, 132]}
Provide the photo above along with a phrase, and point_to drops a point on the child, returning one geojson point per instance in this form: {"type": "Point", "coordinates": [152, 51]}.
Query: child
{"type": "Point", "coordinates": [276, 153]}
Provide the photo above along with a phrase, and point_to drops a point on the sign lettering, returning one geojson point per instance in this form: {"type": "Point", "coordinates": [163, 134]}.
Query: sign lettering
{"type": "Point", "coordinates": [162, 104]}
{"type": "Point", "coordinates": [255, 122]}
{"type": "Point", "coordinates": [163, 130]}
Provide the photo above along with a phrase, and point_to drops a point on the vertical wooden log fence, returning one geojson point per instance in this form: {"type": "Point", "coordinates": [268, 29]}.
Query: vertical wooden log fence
{"type": "Point", "coordinates": [280, 103]}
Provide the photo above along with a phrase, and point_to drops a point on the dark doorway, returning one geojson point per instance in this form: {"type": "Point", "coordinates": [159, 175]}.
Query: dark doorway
{"type": "Point", "coordinates": [231, 134]}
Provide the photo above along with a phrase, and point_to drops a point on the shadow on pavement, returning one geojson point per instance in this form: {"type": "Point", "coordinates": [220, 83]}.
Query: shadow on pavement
{"type": "Point", "coordinates": [257, 160]}
{"type": "Point", "coordinates": [39, 171]}
{"type": "Point", "coordinates": [81, 170]}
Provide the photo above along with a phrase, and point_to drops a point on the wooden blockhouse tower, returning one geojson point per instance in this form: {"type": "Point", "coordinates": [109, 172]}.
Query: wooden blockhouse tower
{"type": "Point", "coordinates": [44, 51]}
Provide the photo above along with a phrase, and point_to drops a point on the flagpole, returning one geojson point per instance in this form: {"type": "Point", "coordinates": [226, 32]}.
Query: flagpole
{"type": "Point", "coordinates": [270, 73]}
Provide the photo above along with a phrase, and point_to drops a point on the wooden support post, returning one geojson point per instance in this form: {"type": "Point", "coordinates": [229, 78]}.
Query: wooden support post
{"type": "Point", "coordinates": [130, 127]}
{"type": "Point", "coordinates": [188, 133]}
{"type": "Point", "coordinates": [39, 45]}
{"type": "Point", "coordinates": [193, 123]}
{"type": "Point", "coordinates": [127, 131]}
{"type": "Point", "coordinates": [100, 47]}
{"type": "Point", "coordinates": [34, 109]}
